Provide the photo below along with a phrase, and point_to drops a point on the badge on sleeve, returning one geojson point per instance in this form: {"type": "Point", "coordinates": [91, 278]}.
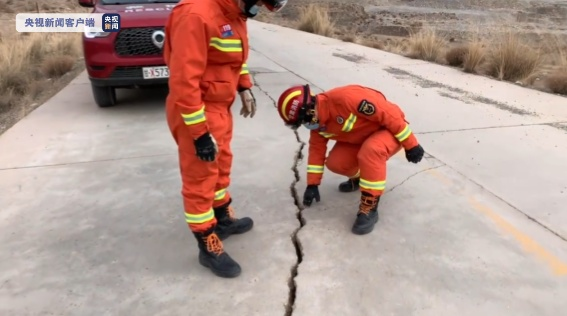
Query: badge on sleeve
{"type": "Point", "coordinates": [226, 30]}
{"type": "Point", "coordinates": [366, 108]}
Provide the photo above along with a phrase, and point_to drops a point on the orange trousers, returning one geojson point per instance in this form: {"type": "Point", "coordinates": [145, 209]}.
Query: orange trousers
{"type": "Point", "coordinates": [367, 160]}
{"type": "Point", "coordinates": [204, 183]}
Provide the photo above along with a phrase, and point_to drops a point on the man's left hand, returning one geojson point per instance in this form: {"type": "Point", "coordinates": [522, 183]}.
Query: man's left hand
{"type": "Point", "coordinates": [248, 103]}
{"type": "Point", "coordinates": [415, 154]}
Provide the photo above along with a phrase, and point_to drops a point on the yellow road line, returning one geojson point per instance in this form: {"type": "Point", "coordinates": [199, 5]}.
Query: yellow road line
{"type": "Point", "coordinates": [555, 264]}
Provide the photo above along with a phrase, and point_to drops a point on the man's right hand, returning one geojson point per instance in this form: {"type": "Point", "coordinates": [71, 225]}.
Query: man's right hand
{"type": "Point", "coordinates": [311, 192]}
{"type": "Point", "coordinates": [206, 147]}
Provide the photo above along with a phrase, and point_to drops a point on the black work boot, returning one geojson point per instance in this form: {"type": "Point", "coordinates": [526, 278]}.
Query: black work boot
{"type": "Point", "coordinates": [367, 215]}
{"type": "Point", "coordinates": [212, 255]}
{"type": "Point", "coordinates": [228, 224]}
{"type": "Point", "coordinates": [349, 185]}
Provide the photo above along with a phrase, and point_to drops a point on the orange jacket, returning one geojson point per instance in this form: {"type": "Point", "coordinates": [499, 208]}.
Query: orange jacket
{"type": "Point", "coordinates": [351, 114]}
{"type": "Point", "coordinates": [206, 48]}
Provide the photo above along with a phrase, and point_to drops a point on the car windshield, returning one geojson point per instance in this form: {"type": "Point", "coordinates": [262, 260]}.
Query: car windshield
{"type": "Point", "coordinates": [137, 1]}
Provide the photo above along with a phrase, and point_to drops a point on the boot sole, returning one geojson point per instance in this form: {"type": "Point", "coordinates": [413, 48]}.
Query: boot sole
{"type": "Point", "coordinates": [222, 274]}
{"type": "Point", "coordinates": [348, 190]}
{"type": "Point", "coordinates": [364, 230]}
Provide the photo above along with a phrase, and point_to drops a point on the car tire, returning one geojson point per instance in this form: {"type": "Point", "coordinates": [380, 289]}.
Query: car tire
{"type": "Point", "coordinates": [104, 96]}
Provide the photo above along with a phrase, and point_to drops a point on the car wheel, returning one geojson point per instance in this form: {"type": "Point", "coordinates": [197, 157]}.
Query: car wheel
{"type": "Point", "coordinates": [104, 96]}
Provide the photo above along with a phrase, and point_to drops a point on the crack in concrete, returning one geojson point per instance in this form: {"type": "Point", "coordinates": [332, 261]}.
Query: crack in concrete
{"type": "Point", "coordinates": [298, 156]}
{"type": "Point", "coordinates": [415, 174]}
{"type": "Point", "coordinates": [553, 124]}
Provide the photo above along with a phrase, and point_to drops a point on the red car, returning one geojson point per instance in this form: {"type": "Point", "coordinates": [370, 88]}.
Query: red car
{"type": "Point", "coordinates": [131, 57]}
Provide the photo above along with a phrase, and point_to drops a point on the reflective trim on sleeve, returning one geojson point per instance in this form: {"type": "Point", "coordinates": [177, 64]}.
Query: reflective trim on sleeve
{"type": "Point", "coordinates": [315, 169]}
{"type": "Point", "coordinates": [349, 124]}
{"type": "Point", "coordinates": [326, 135]}
{"type": "Point", "coordinates": [404, 134]}
{"type": "Point", "coordinates": [195, 117]}
{"type": "Point", "coordinates": [200, 218]}
{"type": "Point", "coordinates": [244, 70]}
{"type": "Point", "coordinates": [372, 185]}
{"type": "Point", "coordinates": [220, 194]}
{"type": "Point", "coordinates": [226, 45]}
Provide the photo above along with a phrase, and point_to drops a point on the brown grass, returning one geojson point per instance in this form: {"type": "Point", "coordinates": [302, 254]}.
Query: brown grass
{"type": "Point", "coordinates": [474, 57]}
{"type": "Point", "coordinates": [511, 59]}
{"type": "Point", "coordinates": [315, 19]}
{"type": "Point", "coordinates": [426, 44]}
{"type": "Point", "coordinates": [557, 82]}
{"type": "Point", "coordinates": [27, 61]}
{"type": "Point", "coordinates": [456, 55]}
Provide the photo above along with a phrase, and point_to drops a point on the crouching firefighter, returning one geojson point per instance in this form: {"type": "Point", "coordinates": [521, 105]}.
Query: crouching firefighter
{"type": "Point", "coordinates": [206, 50]}
{"type": "Point", "coordinates": [368, 130]}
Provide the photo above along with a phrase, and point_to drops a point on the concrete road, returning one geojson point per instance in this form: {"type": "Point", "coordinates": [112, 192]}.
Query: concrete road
{"type": "Point", "coordinates": [91, 219]}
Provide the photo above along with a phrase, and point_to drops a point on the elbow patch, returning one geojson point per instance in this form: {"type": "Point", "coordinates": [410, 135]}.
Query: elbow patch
{"type": "Point", "coordinates": [366, 108]}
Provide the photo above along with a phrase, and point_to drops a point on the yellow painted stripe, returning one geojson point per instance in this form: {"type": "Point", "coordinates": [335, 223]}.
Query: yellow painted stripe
{"type": "Point", "coordinates": [200, 218]}
{"type": "Point", "coordinates": [195, 117]}
{"type": "Point", "coordinates": [556, 265]}
{"type": "Point", "coordinates": [404, 134]}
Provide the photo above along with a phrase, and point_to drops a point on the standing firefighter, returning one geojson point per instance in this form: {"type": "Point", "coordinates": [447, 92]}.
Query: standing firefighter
{"type": "Point", "coordinates": [368, 130]}
{"type": "Point", "coordinates": [206, 50]}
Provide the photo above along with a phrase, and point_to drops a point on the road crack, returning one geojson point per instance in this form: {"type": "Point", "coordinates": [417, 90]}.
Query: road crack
{"type": "Point", "coordinates": [298, 156]}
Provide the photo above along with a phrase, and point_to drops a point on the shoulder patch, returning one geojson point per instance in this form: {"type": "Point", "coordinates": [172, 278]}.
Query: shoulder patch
{"type": "Point", "coordinates": [366, 108]}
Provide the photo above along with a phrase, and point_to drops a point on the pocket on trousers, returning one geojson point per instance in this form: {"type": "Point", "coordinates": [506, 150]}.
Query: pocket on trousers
{"type": "Point", "coordinates": [219, 91]}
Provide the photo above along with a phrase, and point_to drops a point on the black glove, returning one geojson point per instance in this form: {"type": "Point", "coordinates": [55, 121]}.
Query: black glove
{"type": "Point", "coordinates": [206, 147]}
{"type": "Point", "coordinates": [311, 192]}
{"type": "Point", "coordinates": [415, 154]}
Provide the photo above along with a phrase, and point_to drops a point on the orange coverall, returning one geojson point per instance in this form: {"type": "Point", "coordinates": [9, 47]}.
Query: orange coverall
{"type": "Point", "coordinates": [206, 48]}
{"type": "Point", "coordinates": [368, 130]}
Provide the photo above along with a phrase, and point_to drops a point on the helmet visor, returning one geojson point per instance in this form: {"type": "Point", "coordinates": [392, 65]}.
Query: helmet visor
{"type": "Point", "coordinates": [274, 5]}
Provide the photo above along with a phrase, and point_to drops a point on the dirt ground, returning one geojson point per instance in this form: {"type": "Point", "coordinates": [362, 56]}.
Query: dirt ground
{"type": "Point", "coordinates": [457, 19]}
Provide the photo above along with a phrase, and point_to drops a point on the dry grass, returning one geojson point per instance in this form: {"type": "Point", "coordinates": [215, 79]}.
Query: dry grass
{"type": "Point", "coordinates": [28, 61]}
{"type": "Point", "coordinates": [456, 55]}
{"type": "Point", "coordinates": [475, 57]}
{"type": "Point", "coordinates": [511, 59]}
{"type": "Point", "coordinates": [426, 44]}
{"type": "Point", "coordinates": [557, 82]}
{"type": "Point", "coordinates": [315, 19]}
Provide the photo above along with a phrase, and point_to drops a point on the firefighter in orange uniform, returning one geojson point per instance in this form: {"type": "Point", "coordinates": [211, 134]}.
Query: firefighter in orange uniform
{"type": "Point", "coordinates": [206, 50]}
{"type": "Point", "coordinates": [368, 130]}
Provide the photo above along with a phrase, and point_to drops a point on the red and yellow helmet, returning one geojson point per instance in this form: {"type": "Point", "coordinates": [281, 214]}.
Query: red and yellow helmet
{"type": "Point", "coordinates": [294, 105]}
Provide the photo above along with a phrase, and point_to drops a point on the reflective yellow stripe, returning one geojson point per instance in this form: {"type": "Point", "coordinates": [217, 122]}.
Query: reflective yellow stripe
{"type": "Point", "coordinates": [372, 185]}
{"type": "Point", "coordinates": [356, 175]}
{"type": "Point", "coordinates": [286, 101]}
{"type": "Point", "coordinates": [404, 134]}
{"type": "Point", "coordinates": [326, 135]}
{"type": "Point", "coordinates": [244, 70]}
{"type": "Point", "coordinates": [220, 194]}
{"type": "Point", "coordinates": [226, 45]}
{"type": "Point", "coordinates": [200, 218]}
{"type": "Point", "coordinates": [315, 169]}
{"type": "Point", "coordinates": [195, 117]}
{"type": "Point", "coordinates": [349, 124]}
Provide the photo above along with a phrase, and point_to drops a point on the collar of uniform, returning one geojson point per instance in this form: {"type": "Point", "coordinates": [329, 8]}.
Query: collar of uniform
{"type": "Point", "coordinates": [322, 108]}
{"type": "Point", "coordinates": [230, 9]}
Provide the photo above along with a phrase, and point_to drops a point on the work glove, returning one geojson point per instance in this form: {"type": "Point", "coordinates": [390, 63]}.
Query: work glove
{"type": "Point", "coordinates": [206, 147]}
{"type": "Point", "coordinates": [248, 103]}
{"type": "Point", "coordinates": [311, 192]}
{"type": "Point", "coordinates": [415, 154]}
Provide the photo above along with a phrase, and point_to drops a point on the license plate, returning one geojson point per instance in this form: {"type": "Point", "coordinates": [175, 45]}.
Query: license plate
{"type": "Point", "coordinates": [155, 72]}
